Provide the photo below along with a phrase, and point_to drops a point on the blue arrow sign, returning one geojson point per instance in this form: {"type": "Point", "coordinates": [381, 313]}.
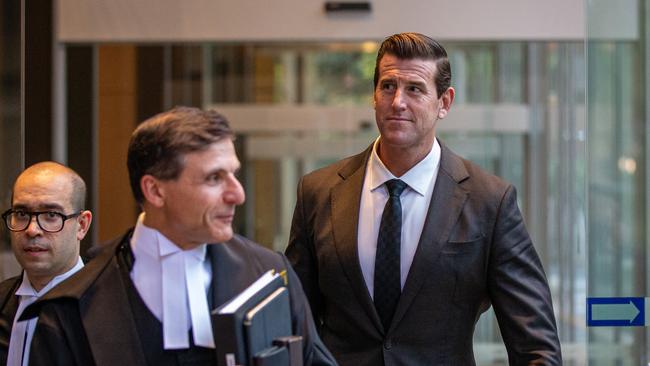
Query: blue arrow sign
{"type": "Point", "coordinates": [615, 311]}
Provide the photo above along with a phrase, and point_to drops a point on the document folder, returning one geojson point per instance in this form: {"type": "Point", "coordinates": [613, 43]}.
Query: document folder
{"type": "Point", "coordinates": [264, 305]}
{"type": "Point", "coordinates": [266, 321]}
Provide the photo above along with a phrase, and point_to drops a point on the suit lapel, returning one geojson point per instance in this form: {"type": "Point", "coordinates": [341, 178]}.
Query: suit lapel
{"type": "Point", "coordinates": [345, 199]}
{"type": "Point", "coordinates": [228, 264]}
{"type": "Point", "coordinates": [107, 317]}
{"type": "Point", "coordinates": [446, 204]}
{"type": "Point", "coordinates": [214, 300]}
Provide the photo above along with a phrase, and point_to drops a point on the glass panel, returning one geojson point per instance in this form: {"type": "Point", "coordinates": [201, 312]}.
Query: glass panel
{"type": "Point", "coordinates": [11, 148]}
{"type": "Point", "coordinates": [617, 187]}
{"type": "Point", "coordinates": [617, 181]}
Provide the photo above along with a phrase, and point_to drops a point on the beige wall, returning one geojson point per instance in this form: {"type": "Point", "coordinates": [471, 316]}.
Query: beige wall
{"type": "Point", "coordinates": [292, 20]}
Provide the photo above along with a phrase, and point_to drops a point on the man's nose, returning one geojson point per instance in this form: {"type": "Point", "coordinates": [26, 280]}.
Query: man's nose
{"type": "Point", "coordinates": [234, 194]}
{"type": "Point", "coordinates": [398, 100]}
{"type": "Point", "coordinates": [33, 228]}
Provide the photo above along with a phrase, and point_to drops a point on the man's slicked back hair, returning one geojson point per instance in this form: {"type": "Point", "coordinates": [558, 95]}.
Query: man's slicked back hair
{"type": "Point", "coordinates": [408, 46]}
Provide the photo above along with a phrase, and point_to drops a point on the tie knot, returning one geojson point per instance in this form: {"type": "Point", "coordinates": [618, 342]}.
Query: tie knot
{"type": "Point", "coordinates": [395, 187]}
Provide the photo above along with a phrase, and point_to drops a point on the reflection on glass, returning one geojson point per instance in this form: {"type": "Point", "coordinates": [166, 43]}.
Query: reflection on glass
{"type": "Point", "coordinates": [617, 193]}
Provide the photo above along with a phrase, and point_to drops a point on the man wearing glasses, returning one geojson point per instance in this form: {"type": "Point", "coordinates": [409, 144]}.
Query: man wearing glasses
{"type": "Point", "coordinates": [46, 221]}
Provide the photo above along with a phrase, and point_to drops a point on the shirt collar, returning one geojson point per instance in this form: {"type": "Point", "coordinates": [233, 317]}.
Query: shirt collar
{"type": "Point", "coordinates": [26, 288]}
{"type": "Point", "coordinates": [144, 235]}
{"type": "Point", "coordinates": [418, 178]}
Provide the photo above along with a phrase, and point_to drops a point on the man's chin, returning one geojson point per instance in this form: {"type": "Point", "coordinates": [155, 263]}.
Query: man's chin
{"type": "Point", "coordinates": [34, 269]}
{"type": "Point", "coordinates": [221, 236]}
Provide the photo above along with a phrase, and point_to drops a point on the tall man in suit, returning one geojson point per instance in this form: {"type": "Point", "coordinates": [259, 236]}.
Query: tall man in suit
{"type": "Point", "coordinates": [145, 298]}
{"type": "Point", "coordinates": [47, 221]}
{"type": "Point", "coordinates": [402, 247]}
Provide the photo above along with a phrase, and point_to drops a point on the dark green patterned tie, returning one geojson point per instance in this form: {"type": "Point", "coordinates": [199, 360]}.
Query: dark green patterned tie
{"type": "Point", "coordinates": [387, 287]}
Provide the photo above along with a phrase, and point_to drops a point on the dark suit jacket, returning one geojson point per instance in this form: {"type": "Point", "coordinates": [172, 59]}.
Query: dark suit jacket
{"type": "Point", "coordinates": [474, 251]}
{"type": "Point", "coordinates": [88, 321]}
{"type": "Point", "coordinates": [8, 310]}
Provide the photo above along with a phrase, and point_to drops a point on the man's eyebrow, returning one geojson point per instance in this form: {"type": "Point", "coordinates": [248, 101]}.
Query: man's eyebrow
{"type": "Point", "coordinates": [219, 170]}
{"type": "Point", "coordinates": [420, 84]}
{"type": "Point", "coordinates": [40, 207]}
{"type": "Point", "coordinates": [387, 78]}
{"type": "Point", "coordinates": [416, 82]}
{"type": "Point", "coordinates": [51, 206]}
{"type": "Point", "coordinates": [214, 171]}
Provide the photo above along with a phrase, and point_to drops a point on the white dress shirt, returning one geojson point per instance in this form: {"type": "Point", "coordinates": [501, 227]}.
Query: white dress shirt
{"type": "Point", "coordinates": [22, 332]}
{"type": "Point", "coordinates": [173, 283]}
{"type": "Point", "coordinates": [415, 200]}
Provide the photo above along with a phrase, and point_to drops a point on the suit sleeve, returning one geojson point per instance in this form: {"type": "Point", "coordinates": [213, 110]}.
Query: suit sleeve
{"type": "Point", "coordinates": [314, 351]}
{"type": "Point", "coordinates": [51, 345]}
{"type": "Point", "coordinates": [519, 291]}
{"type": "Point", "coordinates": [301, 254]}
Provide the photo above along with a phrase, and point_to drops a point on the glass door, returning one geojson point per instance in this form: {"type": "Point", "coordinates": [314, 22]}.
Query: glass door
{"type": "Point", "coordinates": [617, 124]}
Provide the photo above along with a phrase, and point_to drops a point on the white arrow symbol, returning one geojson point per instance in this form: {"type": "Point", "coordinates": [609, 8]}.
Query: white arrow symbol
{"type": "Point", "coordinates": [627, 311]}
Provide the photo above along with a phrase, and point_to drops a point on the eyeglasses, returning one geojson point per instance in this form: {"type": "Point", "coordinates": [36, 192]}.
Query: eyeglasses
{"type": "Point", "coordinates": [49, 221]}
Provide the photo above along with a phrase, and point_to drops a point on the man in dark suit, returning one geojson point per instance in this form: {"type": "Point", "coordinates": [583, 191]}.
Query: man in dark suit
{"type": "Point", "coordinates": [401, 248]}
{"type": "Point", "coordinates": [47, 221]}
{"type": "Point", "coordinates": [145, 298]}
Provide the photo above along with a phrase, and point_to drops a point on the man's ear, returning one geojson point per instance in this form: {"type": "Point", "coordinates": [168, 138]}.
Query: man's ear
{"type": "Point", "coordinates": [153, 191]}
{"type": "Point", "coordinates": [445, 102]}
{"type": "Point", "coordinates": [84, 220]}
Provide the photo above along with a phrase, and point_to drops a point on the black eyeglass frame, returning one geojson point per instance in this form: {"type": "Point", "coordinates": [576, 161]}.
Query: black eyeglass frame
{"type": "Point", "coordinates": [31, 214]}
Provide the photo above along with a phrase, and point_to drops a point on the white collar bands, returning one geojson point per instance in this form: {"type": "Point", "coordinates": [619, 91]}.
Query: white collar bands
{"type": "Point", "coordinates": [173, 283]}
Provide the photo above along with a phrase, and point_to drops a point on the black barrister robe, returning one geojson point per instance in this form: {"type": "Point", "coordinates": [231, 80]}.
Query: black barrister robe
{"type": "Point", "coordinates": [8, 310]}
{"type": "Point", "coordinates": [88, 320]}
